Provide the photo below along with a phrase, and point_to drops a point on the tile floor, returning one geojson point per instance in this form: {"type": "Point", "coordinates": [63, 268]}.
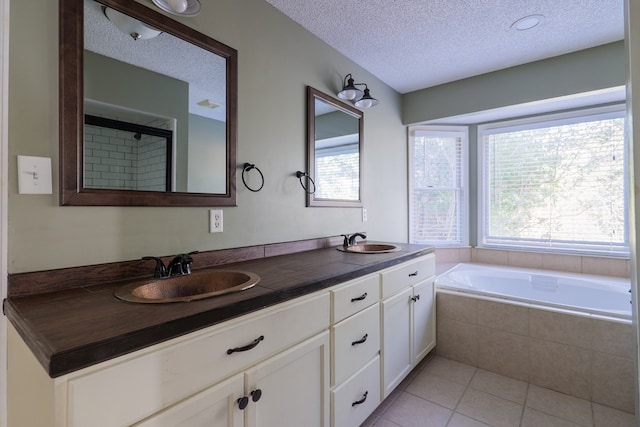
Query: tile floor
{"type": "Point", "coordinates": [441, 392]}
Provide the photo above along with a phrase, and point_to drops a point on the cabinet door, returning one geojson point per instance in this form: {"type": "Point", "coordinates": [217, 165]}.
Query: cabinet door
{"type": "Point", "coordinates": [424, 319]}
{"type": "Point", "coordinates": [215, 407]}
{"type": "Point", "coordinates": [293, 385]}
{"type": "Point", "coordinates": [396, 340]}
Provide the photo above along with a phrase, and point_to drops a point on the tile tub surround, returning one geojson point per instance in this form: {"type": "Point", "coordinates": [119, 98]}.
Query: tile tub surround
{"type": "Point", "coordinates": [587, 357]}
{"type": "Point", "coordinates": [616, 267]}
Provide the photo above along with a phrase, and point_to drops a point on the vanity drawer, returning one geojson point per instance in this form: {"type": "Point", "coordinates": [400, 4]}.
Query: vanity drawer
{"type": "Point", "coordinates": [184, 366]}
{"type": "Point", "coordinates": [354, 342]}
{"type": "Point", "coordinates": [398, 278]}
{"type": "Point", "coordinates": [353, 296]}
{"type": "Point", "coordinates": [348, 407]}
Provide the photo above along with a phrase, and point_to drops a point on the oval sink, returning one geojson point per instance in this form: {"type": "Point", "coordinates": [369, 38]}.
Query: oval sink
{"type": "Point", "coordinates": [370, 248]}
{"type": "Point", "coordinates": [197, 285]}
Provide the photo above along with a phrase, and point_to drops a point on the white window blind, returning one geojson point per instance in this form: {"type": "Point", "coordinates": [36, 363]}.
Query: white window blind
{"type": "Point", "coordinates": [437, 185]}
{"type": "Point", "coordinates": [555, 183]}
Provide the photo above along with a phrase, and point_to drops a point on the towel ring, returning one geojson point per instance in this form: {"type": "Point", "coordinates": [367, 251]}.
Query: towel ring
{"type": "Point", "coordinates": [301, 175]}
{"type": "Point", "coordinates": [247, 167]}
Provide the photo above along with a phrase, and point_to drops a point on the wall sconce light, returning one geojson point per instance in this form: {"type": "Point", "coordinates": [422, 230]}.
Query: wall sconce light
{"type": "Point", "coordinates": [179, 7]}
{"type": "Point", "coordinates": [351, 92]}
{"type": "Point", "coordinates": [128, 25]}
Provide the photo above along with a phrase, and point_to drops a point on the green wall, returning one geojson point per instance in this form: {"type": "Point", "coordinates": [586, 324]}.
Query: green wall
{"type": "Point", "coordinates": [277, 59]}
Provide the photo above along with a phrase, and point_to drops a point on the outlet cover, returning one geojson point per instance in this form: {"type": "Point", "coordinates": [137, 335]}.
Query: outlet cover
{"type": "Point", "coordinates": [215, 221]}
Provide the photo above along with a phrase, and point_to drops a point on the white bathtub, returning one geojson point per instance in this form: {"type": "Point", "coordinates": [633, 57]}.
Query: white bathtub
{"type": "Point", "coordinates": [599, 295]}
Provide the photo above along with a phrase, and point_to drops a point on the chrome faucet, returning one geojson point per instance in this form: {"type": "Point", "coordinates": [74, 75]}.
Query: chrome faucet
{"type": "Point", "coordinates": [180, 265]}
{"type": "Point", "coordinates": [350, 239]}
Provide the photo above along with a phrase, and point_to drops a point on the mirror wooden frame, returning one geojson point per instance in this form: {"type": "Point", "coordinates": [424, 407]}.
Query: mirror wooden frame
{"type": "Point", "coordinates": [312, 95]}
{"type": "Point", "coordinates": [71, 80]}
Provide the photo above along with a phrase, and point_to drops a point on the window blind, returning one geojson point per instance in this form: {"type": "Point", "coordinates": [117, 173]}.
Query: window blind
{"type": "Point", "coordinates": [558, 184]}
{"type": "Point", "coordinates": [437, 193]}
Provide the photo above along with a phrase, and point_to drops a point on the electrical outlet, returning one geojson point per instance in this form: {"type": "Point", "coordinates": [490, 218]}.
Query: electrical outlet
{"type": "Point", "coordinates": [215, 221]}
{"type": "Point", "coordinates": [364, 214]}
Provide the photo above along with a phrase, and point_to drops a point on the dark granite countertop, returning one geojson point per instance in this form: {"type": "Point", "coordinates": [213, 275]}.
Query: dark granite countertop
{"type": "Point", "coordinates": [74, 328]}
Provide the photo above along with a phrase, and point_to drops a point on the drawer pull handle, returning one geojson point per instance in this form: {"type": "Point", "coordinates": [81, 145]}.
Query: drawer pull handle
{"type": "Point", "coordinates": [256, 395]}
{"type": "Point", "coordinates": [361, 340]}
{"type": "Point", "coordinates": [415, 273]}
{"type": "Point", "coordinates": [364, 399]}
{"type": "Point", "coordinates": [416, 298]}
{"type": "Point", "coordinates": [360, 298]}
{"type": "Point", "coordinates": [243, 402]}
{"type": "Point", "coordinates": [246, 347]}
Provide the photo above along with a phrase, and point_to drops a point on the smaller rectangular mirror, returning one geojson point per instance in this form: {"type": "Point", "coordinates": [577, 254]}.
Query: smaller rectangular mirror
{"type": "Point", "coordinates": [334, 134]}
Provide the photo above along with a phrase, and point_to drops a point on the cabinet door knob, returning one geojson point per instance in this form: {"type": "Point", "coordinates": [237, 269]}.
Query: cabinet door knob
{"type": "Point", "coordinates": [416, 298]}
{"type": "Point", "coordinates": [256, 395]}
{"type": "Point", "coordinates": [361, 340]}
{"type": "Point", "coordinates": [243, 402]}
{"type": "Point", "coordinates": [415, 273]}
{"type": "Point", "coordinates": [360, 298]}
{"type": "Point", "coordinates": [246, 347]}
{"type": "Point", "coordinates": [364, 399]}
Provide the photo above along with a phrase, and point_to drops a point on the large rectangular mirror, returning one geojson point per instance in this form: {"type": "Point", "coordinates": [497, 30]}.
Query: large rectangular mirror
{"type": "Point", "coordinates": [334, 146]}
{"type": "Point", "coordinates": [148, 109]}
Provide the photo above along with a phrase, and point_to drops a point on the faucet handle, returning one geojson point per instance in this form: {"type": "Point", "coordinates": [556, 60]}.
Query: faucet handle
{"type": "Point", "coordinates": [347, 239]}
{"type": "Point", "coordinates": [160, 270]}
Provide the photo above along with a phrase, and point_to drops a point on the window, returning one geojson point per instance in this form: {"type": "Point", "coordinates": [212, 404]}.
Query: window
{"type": "Point", "coordinates": [437, 185]}
{"type": "Point", "coordinates": [555, 183]}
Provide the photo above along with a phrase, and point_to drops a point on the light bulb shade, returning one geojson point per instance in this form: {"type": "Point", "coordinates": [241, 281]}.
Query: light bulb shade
{"type": "Point", "coordinates": [179, 7]}
{"type": "Point", "coordinates": [367, 101]}
{"type": "Point", "coordinates": [128, 25]}
{"type": "Point", "coordinates": [349, 91]}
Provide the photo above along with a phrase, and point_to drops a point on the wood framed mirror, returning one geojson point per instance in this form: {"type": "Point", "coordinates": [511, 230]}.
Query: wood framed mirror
{"type": "Point", "coordinates": [169, 132]}
{"type": "Point", "coordinates": [334, 150]}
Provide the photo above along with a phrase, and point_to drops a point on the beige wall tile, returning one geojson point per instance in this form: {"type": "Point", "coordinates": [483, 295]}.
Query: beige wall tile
{"type": "Point", "coordinates": [613, 381]}
{"type": "Point", "coordinates": [446, 255]}
{"type": "Point", "coordinates": [457, 341]}
{"type": "Point", "coordinates": [464, 254]}
{"type": "Point", "coordinates": [491, 256]}
{"type": "Point", "coordinates": [560, 405]}
{"type": "Point", "coordinates": [569, 263]}
{"type": "Point", "coordinates": [456, 307]}
{"type": "Point", "coordinates": [560, 328]}
{"type": "Point", "coordinates": [525, 259]}
{"type": "Point", "coordinates": [505, 317]}
{"type": "Point", "coordinates": [503, 353]}
{"type": "Point", "coordinates": [560, 367]}
{"type": "Point", "coordinates": [605, 266]}
{"type": "Point", "coordinates": [612, 338]}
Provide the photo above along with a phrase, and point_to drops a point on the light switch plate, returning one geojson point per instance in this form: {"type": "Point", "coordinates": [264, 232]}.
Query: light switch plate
{"type": "Point", "coordinates": [34, 175]}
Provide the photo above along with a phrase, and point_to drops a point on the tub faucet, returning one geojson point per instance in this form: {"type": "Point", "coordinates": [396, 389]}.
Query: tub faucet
{"type": "Point", "coordinates": [350, 239]}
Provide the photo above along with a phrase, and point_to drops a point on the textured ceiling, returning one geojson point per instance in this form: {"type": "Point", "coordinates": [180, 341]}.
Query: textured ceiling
{"type": "Point", "coordinates": [414, 44]}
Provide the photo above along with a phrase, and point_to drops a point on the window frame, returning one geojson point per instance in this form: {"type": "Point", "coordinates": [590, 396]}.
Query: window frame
{"type": "Point", "coordinates": [543, 121]}
{"type": "Point", "coordinates": [463, 218]}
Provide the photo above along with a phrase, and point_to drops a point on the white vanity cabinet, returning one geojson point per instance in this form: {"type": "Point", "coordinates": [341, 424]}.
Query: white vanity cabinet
{"type": "Point", "coordinates": [199, 378]}
{"type": "Point", "coordinates": [407, 317]}
{"type": "Point", "coordinates": [355, 351]}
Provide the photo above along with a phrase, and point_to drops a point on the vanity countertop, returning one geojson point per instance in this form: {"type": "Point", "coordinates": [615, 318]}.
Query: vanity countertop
{"type": "Point", "coordinates": [74, 328]}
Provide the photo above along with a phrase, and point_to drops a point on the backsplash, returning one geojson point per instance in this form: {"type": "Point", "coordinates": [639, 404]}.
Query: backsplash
{"type": "Point", "coordinates": [570, 263]}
